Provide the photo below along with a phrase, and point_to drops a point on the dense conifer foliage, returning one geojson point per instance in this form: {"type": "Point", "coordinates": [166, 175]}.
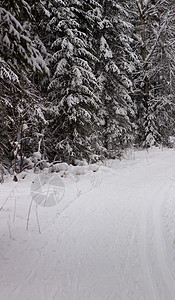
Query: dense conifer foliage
{"type": "Point", "coordinates": [84, 79]}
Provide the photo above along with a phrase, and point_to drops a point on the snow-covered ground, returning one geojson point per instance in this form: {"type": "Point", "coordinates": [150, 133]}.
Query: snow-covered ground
{"type": "Point", "coordinates": [111, 236]}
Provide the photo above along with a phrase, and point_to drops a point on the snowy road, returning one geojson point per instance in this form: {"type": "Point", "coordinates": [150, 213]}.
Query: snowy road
{"type": "Point", "coordinates": [111, 237]}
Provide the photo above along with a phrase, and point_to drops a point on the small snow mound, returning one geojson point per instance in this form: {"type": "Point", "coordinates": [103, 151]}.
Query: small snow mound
{"type": "Point", "coordinates": [37, 155]}
{"type": "Point", "coordinates": [22, 175]}
{"type": "Point", "coordinates": [59, 167]}
{"type": "Point", "coordinates": [78, 170]}
{"type": "Point", "coordinates": [81, 162]}
{"type": "Point", "coordinates": [172, 141]}
{"type": "Point", "coordinates": [94, 167]}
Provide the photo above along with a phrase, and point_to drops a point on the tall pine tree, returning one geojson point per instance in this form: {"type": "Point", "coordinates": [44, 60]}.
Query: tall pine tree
{"type": "Point", "coordinates": [114, 74]}
{"type": "Point", "coordinates": [19, 98]}
{"type": "Point", "coordinates": [155, 70]}
{"type": "Point", "coordinates": [73, 86]}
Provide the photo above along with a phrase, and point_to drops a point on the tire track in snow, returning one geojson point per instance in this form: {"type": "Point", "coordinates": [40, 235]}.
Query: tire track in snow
{"type": "Point", "coordinates": [129, 248]}
{"type": "Point", "coordinates": [160, 246]}
{"type": "Point", "coordinates": [112, 295]}
{"type": "Point", "coordinates": [152, 203]}
{"type": "Point", "coordinates": [150, 289]}
{"type": "Point", "coordinates": [152, 210]}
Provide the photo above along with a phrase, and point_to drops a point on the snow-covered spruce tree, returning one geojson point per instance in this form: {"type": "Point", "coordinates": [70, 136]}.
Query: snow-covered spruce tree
{"type": "Point", "coordinates": [7, 77]}
{"type": "Point", "coordinates": [41, 37]}
{"type": "Point", "coordinates": [114, 72]}
{"type": "Point", "coordinates": [162, 85]}
{"type": "Point", "coordinates": [18, 54]}
{"type": "Point", "coordinates": [73, 86]}
{"type": "Point", "coordinates": [155, 71]}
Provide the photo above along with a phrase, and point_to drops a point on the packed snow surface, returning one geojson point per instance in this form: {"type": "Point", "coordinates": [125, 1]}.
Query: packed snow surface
{"type": "Point", "coordinates": [109, 236]}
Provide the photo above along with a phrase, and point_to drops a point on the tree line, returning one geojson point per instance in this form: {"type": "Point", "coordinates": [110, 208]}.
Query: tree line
{"type": "Point", "coordinates": [84, 79]}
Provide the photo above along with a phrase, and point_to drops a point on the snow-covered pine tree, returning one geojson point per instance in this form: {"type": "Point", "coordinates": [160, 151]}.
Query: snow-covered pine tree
{"type": "Point", "coordinates": [155, 70]}
{"type": "Point", "coordinates": [41, 37]}
{"type": "Point", "coordinates": [16, 46]}
{"type": "Point", "coordinates": [116, 63]}
{"type": "Point", "coordinates": [73, 86]}
{"type": "Point", "coordinates": [162, 81]}
{"type": "Point", "coordinates": [6, 76]}
{"type": "Point", "coordinates": [18, 54]}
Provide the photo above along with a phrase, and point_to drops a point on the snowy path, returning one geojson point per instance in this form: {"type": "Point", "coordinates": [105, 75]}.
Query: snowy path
{"type": "Point", "coordinates": [112, 236]}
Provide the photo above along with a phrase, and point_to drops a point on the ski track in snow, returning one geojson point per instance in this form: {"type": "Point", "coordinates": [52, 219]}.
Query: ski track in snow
{"type": "Point", "coordinates": [160, 243]}
{"type": "Point", "coordinates": [110, 237]}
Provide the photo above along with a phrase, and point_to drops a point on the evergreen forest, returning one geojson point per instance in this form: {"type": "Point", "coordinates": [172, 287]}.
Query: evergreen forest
{"type": "Point", "coordinates": [84, 79]}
